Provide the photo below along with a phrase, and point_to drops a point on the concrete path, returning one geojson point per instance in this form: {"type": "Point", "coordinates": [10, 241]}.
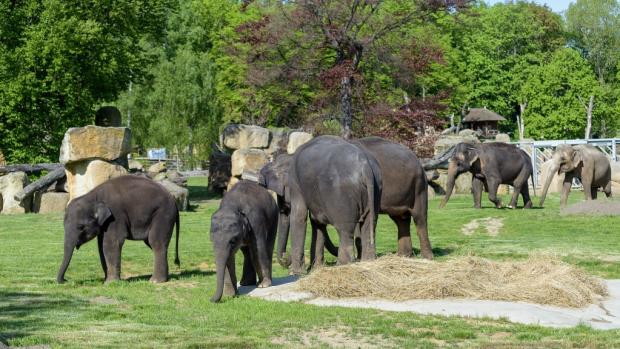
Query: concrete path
{"type": "Point", "coordinates": [605, 315]}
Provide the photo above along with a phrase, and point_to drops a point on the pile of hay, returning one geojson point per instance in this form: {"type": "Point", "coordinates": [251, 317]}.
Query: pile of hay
{"type": "Point", "coordinates": [539, 279]}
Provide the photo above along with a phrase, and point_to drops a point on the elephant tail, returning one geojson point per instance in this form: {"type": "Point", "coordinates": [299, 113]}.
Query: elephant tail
{"type": "Point", "coordinates": [533, 183]}
{"type": "Point", "coordinates": [329, 245]}
{"type": "Point", "coordinates": [176, 249]}
{"type": "Point", "coordinates": [373, 192]}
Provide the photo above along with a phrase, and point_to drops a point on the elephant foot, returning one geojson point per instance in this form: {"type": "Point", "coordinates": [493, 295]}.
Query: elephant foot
{"type": "Point", "coordinates": [427, 255]}
{"type": "Point", "coordinates": [111, 280]}
{"type": "Point", "coordinates": [61, 281]}
{"type": "Point", "coordinates": [511, 207]}
{"type": "Point", "coordinates": [477, 206]}
{"type": "Point", "coordinates": [247, 282]}
{"type": "Point", "coordinates": [157, 280]}
{"type": "Point", "coordinates": [528, 205]}
{"type": "Point", "coordinates": [265, 283]}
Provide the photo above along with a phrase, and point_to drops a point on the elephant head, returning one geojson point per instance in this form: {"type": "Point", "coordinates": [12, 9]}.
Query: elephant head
{"type": "Point", "coordinates": [466, 157]}
{"type": "Point", "coordinates": [84, 220]}
{"type": "Point", "coordinates": [565, 159]}
{"type": "Point", "coordinates": [228, 231]}
{"type": "Point", "coordinates": [274, 176]}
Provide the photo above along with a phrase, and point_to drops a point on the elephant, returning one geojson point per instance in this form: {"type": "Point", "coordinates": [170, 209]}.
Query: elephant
{"type": "Point", "coordinates": [247, 219]}
{"type": "Point", "coordinates": [340, 184]}
{"type": "Point", "coordinates": [584, 162]}
{"type": "Point", "coordinates": [123, 208]}
{"type": "Point", "coordinates": [491, 164]}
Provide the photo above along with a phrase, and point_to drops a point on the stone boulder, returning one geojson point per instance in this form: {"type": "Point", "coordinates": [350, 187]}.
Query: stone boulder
{"type": "Point", "coordinates": [135, 166]}
{"type": "Point", "coordinates": [49, 202]}
{"type": "Point", "coordinates": [94, 142]}
{"type": "Point", "coordinates": [615, 171]}
{"type": "Point", "coordinates": [251, 160]}
{"type": "Point", "coordinates": [278, 141]}
{"type": "Point", "coordinates": [238, 136]}
{"type": "Point", "coordinates": [556, 182]}
{"type": "Point", "coordinates": [232, 182]}
{"type": "Point", "coordinates": [180, 194]}
{"type": "Point", "coordinates": [502, 137]}
{"type": "Point", "coordinates": [468, 133]}
{"type": "Point", "coordinates": [296, 139]}
{"type": "Point", "coordinates": [462, 184]}
{"type": "Point", "coordinates": [445, 142]}
{"type": "Point", "coordinates": [156, 168]}
{"type": "Point", "coordinates": [84, 176]}
{"type": "Point", "coordinates": [11, 184]}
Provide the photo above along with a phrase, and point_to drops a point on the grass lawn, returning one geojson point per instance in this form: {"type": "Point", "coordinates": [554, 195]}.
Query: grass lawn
{"type": "Point", "coordinates": [134, 313]}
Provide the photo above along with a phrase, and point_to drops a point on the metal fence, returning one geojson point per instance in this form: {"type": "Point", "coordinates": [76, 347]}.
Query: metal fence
{"type": "Point", "coordinates": [541, 151]}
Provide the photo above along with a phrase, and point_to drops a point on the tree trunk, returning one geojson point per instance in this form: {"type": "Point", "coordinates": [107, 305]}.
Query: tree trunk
{"type": "Point", "coordinates": [346, 97]}
{"type": "Point", "coordinates": [520, 122]}
{"type": "Point", "coordinates": [28, 168]}
{"type": "Point", "coordinates": [42, 183]}
{"type": "Point", "coordinates": [589, 109]}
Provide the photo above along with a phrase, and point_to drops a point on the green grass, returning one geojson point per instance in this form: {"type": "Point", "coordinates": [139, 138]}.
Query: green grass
{"type": "Point", "coordinates": [134, 313]}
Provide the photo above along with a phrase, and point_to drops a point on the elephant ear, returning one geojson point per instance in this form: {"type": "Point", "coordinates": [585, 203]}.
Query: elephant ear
{"type": "Point", "coordinates": [102, 213]}
{"type": "Point", "coordinates": [577, 158]}
{"type": "Point", "coordinates": [245, 224]}
{"type": "Point", "coordinates": [472, 155]}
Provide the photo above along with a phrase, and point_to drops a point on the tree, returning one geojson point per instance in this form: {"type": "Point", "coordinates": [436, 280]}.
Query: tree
{"type": "Point", "coordinates": [558, 95]}
{"type": "Point", "coordinates": [330, 40]}
{"type": "Point", "coordinates": [59, 60]}
{"type": "Point", "coordinates": [595, 29]}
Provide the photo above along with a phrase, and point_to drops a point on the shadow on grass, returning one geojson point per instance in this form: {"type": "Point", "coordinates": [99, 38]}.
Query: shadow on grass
{"type": "Point", "coordinates": [184, 274]}
{"type": "Point", "coordinates": [199, 192]}
{"type": "Point", "coordinates": [22, 313]}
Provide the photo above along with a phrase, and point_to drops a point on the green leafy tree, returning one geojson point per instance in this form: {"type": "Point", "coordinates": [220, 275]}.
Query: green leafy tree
{"type": "Point", "coordinates": [61, 59]}
{"type": "Point", "coordinates": [558, 93]}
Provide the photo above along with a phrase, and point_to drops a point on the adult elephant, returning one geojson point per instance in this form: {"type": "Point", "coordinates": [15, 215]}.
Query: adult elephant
{"type": "Point", "coordinates": [340, 184]}
{"type": "Point", "coordinates": [584, 162]}
{"type": "Point", "coordinates": [491, 164]}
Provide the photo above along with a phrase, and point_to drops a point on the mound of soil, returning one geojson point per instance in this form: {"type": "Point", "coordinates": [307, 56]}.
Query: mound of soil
{"type": "Point", "coordinates": [593, 208]}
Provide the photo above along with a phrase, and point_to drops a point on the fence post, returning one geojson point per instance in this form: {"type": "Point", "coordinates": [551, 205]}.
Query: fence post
{"type": "Point", "coordinates": [534, 167]}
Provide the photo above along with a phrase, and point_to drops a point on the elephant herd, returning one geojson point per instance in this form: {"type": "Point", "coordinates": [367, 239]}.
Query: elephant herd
{"type": "Point", "coordinates": [328, 180]}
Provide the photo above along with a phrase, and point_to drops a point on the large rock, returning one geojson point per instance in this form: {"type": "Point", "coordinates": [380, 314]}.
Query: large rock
{"type": "Point", "coordinates": [156, 168]}
{"type": "Point", "coordinates": [556, 182]}
{"type": "Point", "coordinates": [278, 141]}
{"type": "Point", "coordinates": [237, 136]}
{"type": "Point", "coordinates": [445, 142]}
{"type": "Point", "coordinates": [180, 194]}
{"type": "Point", "coordinates": [231, 183]}
{"type": "Point", "coordinates": [462, 184]}
{"type": "Point", "coordinates": [49, 202]}
{"type": "Point", "coordinates": [108, 116]}
{"type": "Point", "coordinates": [615, 171]}
{"type": "Point", "coordinates": [84, 176]}
{"type": "Point", "coordinates": [11, 184]}
{"type": "Point", "coordinates": [296, 139]}
{"type": "Point", "coordinates": [94, 142]}
{"type": "Point", "coordinates": [502, 137]}
{"type": "Point", "coordinates": [135, 166]}
{"type": "Point", "coordinates": [468, 133]}
{"type": "Point", "coordinates": [251, 160]}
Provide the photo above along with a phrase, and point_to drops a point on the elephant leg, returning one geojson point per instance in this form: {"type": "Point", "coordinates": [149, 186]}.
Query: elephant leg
{"type": "Point", "coordinates": [230, 277]}
{"type": "Point", "coordinates": [263, 263]}
{"type": "Point", "coordinates": [298, 218]}
{"type": "Point", "coordinates": [102, 256]}
{"type": "Point", "coordinates": [403, 223]}
{"type": "Point", "coordinates": [568, 183]}
{"type": "Point", "coordinates": [112, 246]}
{"type": "Point", "coordinates": [358, 246]}
{"type": "Point", "coordinates": [346, 250]}
{"type": "Point", "coordinates": [317, 256]}
{"type": "Point", "coordinates": [493, 184]}
{"type": "Point", "coordinates": [367, 234]}
{"type": "Point", "coordinates": [477, 186]}
{"type": "Point", "coordinates": [248, 278]}
{"type": "Point", "coordinates": [586, 181]}
{"type": "Point", "coordinates": [420, 214]}
{"type": "Point", "coordinates": [525, 193]}
{"type": "Point", "coordinates": [159, 241]}
{"type": "Point", "coordinates": [607, 189]}
{"type": "Point", "coordinates": [515, 196]}
{"type": "Point", "coordinates": [594, 192]}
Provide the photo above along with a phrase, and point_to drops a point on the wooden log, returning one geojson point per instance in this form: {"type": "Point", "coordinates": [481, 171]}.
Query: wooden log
{"type": "Point", "coordinates": [29, 168]}
{"type": "Point", "coordinates": [42, 183]}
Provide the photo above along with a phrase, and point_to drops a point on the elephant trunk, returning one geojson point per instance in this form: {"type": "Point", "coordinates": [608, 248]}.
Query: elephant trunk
{"type": "Point", "coordinates": [283, 230]}
{"type": "Point", "coordinates": [69, 246]}
{"type": "Point", "coordinates": [554, 168]}
{"type": "Point", "coordinates": [452, 174]}
{"type": "Point", "coordinates": [221, 262]}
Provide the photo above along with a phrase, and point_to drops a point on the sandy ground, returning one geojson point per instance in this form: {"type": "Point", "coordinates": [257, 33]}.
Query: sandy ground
{"type": "Point", "coordinates": [605, 315]}
{"type": "Point", "coordinates": [600, 207]}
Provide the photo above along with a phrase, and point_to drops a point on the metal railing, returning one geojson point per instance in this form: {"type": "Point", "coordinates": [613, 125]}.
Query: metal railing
{"type": "Point", "coordinates": [542, 151]}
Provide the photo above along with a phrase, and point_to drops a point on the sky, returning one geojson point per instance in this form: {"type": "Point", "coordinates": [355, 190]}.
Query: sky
{"type": "Point", "coordinates": [556, 5]}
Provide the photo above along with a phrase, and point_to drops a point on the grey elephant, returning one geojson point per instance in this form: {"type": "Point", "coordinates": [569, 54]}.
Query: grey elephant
{"type": "Point", "coordinates": [584, 162]}
{"type": "Point", "coordinates": [247, 219]}
{"type": "Point", "coordinates": [123, 208]}
{"type": "Point", "coordinates": [491, 164]}
{"type": "Point", "coordinates": [337, 183]}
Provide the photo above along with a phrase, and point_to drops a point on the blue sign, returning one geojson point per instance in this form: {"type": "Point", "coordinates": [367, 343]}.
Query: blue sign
{"type": "Point", "coordinates": [156, 154]}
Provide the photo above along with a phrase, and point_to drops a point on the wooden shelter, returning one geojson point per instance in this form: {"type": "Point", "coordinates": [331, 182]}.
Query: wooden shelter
{"type": "Point", "coordinates": [484, 121]}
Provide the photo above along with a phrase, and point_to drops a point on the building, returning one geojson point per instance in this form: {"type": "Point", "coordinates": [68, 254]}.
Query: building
{"type": "Point", "coordinates": [484, 121]}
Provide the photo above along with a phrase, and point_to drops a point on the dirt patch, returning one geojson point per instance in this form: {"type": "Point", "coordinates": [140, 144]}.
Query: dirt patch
{"type": "Point", "coordinates": [593, 208]}
{"type": "Point", "coordinates": [539, 279]}
{"type": "Point", "coordinates": [492, 226]}
{"type": "Point", "coordinates": [336, 337]}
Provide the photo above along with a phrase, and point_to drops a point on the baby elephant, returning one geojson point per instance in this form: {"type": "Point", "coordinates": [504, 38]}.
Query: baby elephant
{"type": "Point", "coordinates": [123, 208]}
{"type": "Point", "coordinates": [247, 219]}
